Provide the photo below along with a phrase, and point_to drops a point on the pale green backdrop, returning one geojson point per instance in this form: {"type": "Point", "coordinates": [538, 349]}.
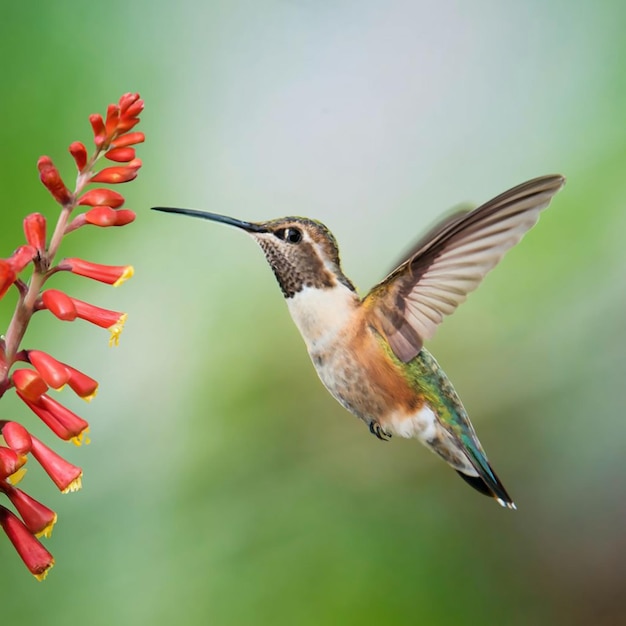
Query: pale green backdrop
{"type": "Point", "coordinates": [223, 485]}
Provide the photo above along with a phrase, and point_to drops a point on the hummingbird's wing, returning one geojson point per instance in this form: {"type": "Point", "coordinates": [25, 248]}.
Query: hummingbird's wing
{"type": "Point", "coordinates": [454, 214]}
{"type": "Point", "coordinates": [409, 304]}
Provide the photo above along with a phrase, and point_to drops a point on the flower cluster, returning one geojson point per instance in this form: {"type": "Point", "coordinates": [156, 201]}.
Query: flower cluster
{"type": "Point", "coordinates": [32, 373]}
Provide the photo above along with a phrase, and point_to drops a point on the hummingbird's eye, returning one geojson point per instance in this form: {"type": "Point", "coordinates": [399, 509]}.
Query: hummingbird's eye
{"type": "Point", "coordinates": [292, 235]}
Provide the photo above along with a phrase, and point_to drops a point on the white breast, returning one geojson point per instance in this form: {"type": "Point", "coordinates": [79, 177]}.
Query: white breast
{"type": "Point", "coordinates": [321, 314]}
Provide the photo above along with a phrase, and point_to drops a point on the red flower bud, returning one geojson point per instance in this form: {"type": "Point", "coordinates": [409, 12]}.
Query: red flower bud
{"type": "Point", "coordinates": [51, 178]}
{"type": "Point", "coordinates": [16, 437]}
{"type": "Point", "coordinates": [35, 230]}
{"type": "Point", "coordinates": [112, 119]}
{"type": "Point", "coordinates": [127, 100]}
{"type": "Point", "coordinates": [121, 155]}
{"type": "Point", "coordinates": [99, 132]}
{"type": "Point", "coordinates": [66, 477]}
{"type": "Point", "coordinates": [22, 257]}
{"type": "Point", "coordinates": [134, 109]}
{"type": "Point", "coordinates": [29, 383]}
{"type": "Point", "coordinates": [101, 197]}
{"type": "Point", "coordinates": [52, 371]}
{"type": "Point", "coordinates": [124, 216]}
{"type": "Point", "coordinates": [101, 216]}
{"type": "Point", "coordinates": [79, 152]}
{"type": "Point", "coordinates": [128, 139]}
{"type": "Point", "coordinates": [114, 175]}
{"type": "Point", "coordinates": [110, 274]}
{"type": "Point", "coordinates": [59, 304]}
{"type": "Point", "coordinates": [36, 558]}
{"type": "Point", "coordinates": [7, 276]}
{"type": "Point", "coordinates": [127, 123]}
{"type": "Point", "coordinates": [10, 462]}
{"type": "Point", "coordinates": [105, 216]}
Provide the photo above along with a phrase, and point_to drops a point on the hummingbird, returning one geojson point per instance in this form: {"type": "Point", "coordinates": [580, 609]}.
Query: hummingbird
{"type": "Point", "coordinates": [369, 352]}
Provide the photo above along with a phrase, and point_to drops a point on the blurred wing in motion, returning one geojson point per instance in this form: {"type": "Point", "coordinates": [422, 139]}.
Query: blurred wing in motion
{"type": "Point", "coordinates": [409, 304]}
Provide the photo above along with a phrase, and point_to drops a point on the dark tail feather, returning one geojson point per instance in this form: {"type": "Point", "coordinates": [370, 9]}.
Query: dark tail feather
{"type": "Point", "coordinates": [492, 488]}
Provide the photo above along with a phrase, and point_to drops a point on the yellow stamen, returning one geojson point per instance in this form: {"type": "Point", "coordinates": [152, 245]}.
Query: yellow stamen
{"type": "Point", "coordinates": [16, 477]}
{"type": "Point", "coordinates": [47, 531]}
{"type": "Point", "coordinates": [75, 485]}
{"type": "Point", "coordinates": [43, 574]}
{"type": "Point", "coordinates": [81, 438]}
{"type": "Point", "coordinates": [128, 273]}
{"type": "Point", "coordinates": [116, 330]}
{"type": "Point", "coordinates": [91, 396]}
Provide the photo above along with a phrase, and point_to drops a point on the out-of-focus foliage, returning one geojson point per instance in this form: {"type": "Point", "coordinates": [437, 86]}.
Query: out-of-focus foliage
{"type": "Point", "coordinates": [223, 484]}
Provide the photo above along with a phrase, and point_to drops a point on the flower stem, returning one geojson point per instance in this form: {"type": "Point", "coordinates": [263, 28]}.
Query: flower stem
{"type": "Point", "coordinates": [26, 304]}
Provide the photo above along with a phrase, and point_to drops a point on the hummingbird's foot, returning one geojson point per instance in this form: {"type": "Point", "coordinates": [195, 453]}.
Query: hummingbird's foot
{"type": "Point", "coordinates": [379, 431]}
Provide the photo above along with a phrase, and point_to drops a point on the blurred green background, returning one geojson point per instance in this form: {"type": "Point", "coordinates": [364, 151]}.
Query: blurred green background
{"type": "Point", "coordinates": [223, 484]}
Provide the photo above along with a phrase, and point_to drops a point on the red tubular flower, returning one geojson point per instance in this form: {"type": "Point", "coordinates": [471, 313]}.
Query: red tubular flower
{"type": "Point", "coordinates": [7, 276]}
{"type": "Point", "coordinates": [102, 197]}
{"type": "Point", "coordinates": [66, 476]}
{"type": "Point", "coordinates": [110, 274]}
{"type": "Point", "coordinates": [59, 304]}
{"type": "Point", "coordinates": [59, 419]}
{"type": "Point", "coordinates": [22, 257]}
{"type": "Point", "coordinates": [51, 411]}
{"type": "Point", "coordinates": [79, 152]}
{"type": "Point", "coordinates": [57, 374]}
{"type": "Point", "coordinates": [113, 321]}
{"type": "Point", "coordinates": [35, 230]}
{"type": "Point", "coordinates": [68, 309]}
{"type": "Point", "coordinates": [49, 420]}
{"type": "Point", "coordinates": [69, 419]}
{"type": "Point", "coordinates": [51, 178]}
{"type": "Point", "coordinates": [30, 384]}
{"type": "Point", "coordinates": [104, 318]}
{"type": "Point", "coordinates": [53, 372]}
{"type": "Point", "coordinates": [36, 558]}
{"type": "Point", "coordinates": [38, 518]}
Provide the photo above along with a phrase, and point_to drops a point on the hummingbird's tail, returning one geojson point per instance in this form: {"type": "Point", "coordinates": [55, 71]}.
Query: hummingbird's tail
{"type": "Point", "coordinates": [489, 484]}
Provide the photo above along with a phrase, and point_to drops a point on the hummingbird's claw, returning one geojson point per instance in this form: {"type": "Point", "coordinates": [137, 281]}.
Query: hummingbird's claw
{"type": "Point", "coordinates": [377, 430]}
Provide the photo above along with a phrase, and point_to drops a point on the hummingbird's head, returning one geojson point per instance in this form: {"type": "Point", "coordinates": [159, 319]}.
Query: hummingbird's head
{"type": "Point", "coordinates": [301, 252]}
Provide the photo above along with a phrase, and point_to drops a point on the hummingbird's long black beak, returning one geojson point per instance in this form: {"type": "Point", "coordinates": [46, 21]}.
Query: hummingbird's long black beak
{"type": "Point", "coordinates": [250, 227]}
